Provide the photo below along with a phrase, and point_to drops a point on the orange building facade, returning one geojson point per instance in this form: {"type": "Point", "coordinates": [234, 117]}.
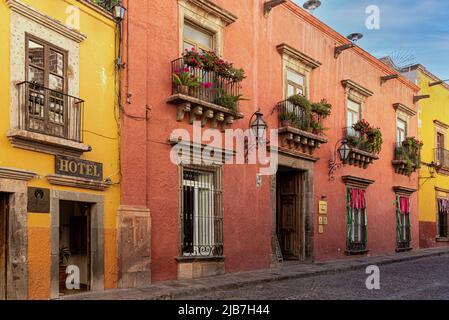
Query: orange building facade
{"type": "Point", "coordinates": [212, 219]}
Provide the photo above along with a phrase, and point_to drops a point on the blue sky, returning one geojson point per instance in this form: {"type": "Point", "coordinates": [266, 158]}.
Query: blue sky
{"type": "Point", "coordinates": [412, 31]}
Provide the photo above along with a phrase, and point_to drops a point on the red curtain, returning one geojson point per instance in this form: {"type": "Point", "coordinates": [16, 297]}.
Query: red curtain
{"type": "Point", "coordinates": [404, 205]}
{"type": "Point", "coordinates": [358, 199]}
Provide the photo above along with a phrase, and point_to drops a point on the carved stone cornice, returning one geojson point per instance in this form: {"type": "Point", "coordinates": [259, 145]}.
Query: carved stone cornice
{"type": "Point", "coordinates": [299, 141]}
{"type": "Point", "coordinates": [60, 180]}
{"type": "Point", "coordinates": [441, 124]}
{"type": "Point", "coordinates": [357, 182]}
{"type": "Point", "coordinates": [16, 174]}
{"type": "Point", "coordinates": [214, 10]}
{"type": "Point", "coordinates": [49, 22]}
{"type": "Point", "coordinates": [404, 190]}
{"type": "Point", "coordinates": [191, 152]}
{"type": "Point", "coordinates": [296, 54]}
{"type": "Point", "coordinates": [404, 109]}
{"type": "Point", "coordinates": [353, 86]}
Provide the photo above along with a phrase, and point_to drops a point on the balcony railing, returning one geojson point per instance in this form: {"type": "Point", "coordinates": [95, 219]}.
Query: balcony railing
{"type": "Point", "coordinates": [442, 158]}
{"type": "Point", "coordinates": [292, 115]}
{"type": "Point", "coordinates": [213, 88]}
{"type": "Point", "coordinates": [50, 112]}
{"type": "Point", "coordinates": [105, 4]}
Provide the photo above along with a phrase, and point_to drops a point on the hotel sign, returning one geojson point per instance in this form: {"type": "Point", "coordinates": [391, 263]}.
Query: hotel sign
{"type": "Point", "coordinates": [75, 167]}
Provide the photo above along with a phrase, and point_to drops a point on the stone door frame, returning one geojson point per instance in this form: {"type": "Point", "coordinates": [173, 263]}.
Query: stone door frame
{"type": "Point", "coordinates": [306, 166]}
{"type": "Point", "coordinates": [96, 234]}
{"type": "Point", "coordinates": [17, 265]}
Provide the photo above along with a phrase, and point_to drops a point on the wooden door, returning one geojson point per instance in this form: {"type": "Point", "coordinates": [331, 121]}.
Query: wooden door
{"type": "Point", "coordinates": [3, 244]}
{"type": "Point", "coordinates": [289, 214]}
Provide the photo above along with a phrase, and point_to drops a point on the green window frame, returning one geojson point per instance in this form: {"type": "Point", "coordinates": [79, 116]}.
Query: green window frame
{"type": "Point", "coordinates": [403, 225]}
{"type": "Point", "coordinates": [352, 222]}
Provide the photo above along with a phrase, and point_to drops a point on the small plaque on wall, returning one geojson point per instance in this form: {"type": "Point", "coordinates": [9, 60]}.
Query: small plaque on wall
{"type": "Point", "coordinates": [322, 207]}
{"type": "Point", "coordinates": [38, 200]}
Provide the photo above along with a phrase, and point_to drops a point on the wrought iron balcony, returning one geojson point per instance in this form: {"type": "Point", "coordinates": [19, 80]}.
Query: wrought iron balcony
{"type": "Point", "coordinates": [49, 112]}
{"type": "Point", "coordinates": [215, 97]}
{"type": "Point", "coordinates": [442, 158]}
{"type": "Point", "coordinates": [360, 154]}
{"type": "Point", "coordinates": [406, 159]}
{"type": "Point", "coordinates": [295, 128]}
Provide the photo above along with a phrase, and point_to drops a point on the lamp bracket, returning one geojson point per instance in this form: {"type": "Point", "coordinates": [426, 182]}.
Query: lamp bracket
{"type": "Point", "coordinates": [267, 6]}
{"type": "Point", "coordinates": [338, 50]}
{"type": "Point", "coordinates": [389, 77]}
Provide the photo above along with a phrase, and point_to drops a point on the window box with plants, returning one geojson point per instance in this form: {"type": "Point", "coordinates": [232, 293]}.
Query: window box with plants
{"type": "Point", "coordinates": [365, 142]}
{"type": "Point", "coordinates": [407, 156]}
{"type": "Point", "coordinates": [207, 88]}
{"type": "Point", "coordinates": [301, 123]}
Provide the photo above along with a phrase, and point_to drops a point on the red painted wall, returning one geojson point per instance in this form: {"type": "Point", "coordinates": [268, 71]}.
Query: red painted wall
{"type": "Point", "coordinates": [151, 179]}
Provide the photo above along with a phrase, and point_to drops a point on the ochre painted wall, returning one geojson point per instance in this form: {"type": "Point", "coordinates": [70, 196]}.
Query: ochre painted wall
{"type": "Point", "coordinates": [97, 88]}
{"type": "Point", "coordinates": [434, 108]}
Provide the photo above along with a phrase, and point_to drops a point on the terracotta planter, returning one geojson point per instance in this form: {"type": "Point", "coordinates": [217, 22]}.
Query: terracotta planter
{"type": "Point", "coordinates": [183, 90]}
{"type": "Point", "coordinates": [286, 123]}
{"type": "Point", "coordinates": [62, 278]}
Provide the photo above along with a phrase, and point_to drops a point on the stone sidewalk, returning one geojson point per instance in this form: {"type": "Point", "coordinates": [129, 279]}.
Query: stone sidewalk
{"type": "Point", "coordinates": [179, 288]}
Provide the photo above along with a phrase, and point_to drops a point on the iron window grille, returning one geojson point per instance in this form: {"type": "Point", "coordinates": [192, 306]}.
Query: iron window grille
{"type": "Point", "coordinates": [201, 211]}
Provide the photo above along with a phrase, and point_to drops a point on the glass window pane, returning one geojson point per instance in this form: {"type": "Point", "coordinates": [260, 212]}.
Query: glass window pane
{"type": "Point", "coordinates": [35, 54]}
{"type": "Point", "coordinates": [354, 106]}
{"type": "Point", "coordinates": [36, 75]}
{"type": "Point", "coordinates": [56, 62]}
{"type": "Point", "coordinates": [200, 37]}
{"type": "Point", "coordinates": [295, 77]}
{"type": "Point", "coordinates": [56, 83]}
{"type": "Point", "coordinates": [290, 90]}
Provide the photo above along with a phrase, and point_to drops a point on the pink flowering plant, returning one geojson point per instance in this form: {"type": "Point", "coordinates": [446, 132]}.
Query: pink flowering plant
{"type": "Point", "coordinates": [368, 138]}
{"type": "Point", "coordinates": [210, 61]}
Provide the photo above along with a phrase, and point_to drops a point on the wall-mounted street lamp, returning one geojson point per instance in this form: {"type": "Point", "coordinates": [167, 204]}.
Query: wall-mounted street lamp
{"type": "Point", "coordinates": [258, 126]}
{"type": "Point", "coordinates": [354, 37]}
{"type": "Point", "coordinates": [344, 150]}
{"type": "Point", "coordinates": [311, 5]}
{"type": "Point", "coordinates": [417, 98]}
{"type": "Point", "coordinates": [267, 6]}
{"type": "Point", "coordinates": [389, 77]}
{"type": "Point", "coordinates": [118, 12]}
{"type": "Point", "coordinates": [431, 84]}
{"type": "Point", "coordinates": [432, 171]}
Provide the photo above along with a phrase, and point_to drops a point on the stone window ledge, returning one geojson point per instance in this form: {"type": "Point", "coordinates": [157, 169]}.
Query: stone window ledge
{"type": "Point", "coordinates": [77, 182]}
{"type": "Point", "coordinates": [356, 252]}
{"type": "Point", "coordinates": [187, 259]}
{"type": "Point", "coordinates": [441, 239]}
{"type": "Point", "coordinates": [203, 110]}
{"type": "Point", "coordinates": [404, 249]}
{"type": "Point", "coordinates": [48, 144]}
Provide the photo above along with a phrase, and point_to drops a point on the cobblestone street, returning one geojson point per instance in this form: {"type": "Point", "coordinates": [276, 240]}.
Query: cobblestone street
{"type": "Point", "coordinates": [426, 278]}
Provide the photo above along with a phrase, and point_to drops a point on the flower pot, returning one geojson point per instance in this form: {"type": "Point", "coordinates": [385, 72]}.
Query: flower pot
{"type": "Point", "coordinates": [62, 278]}
{"type": "Point", "coordinates": [286, 123]}
{"type": "Point", "coordinates": [183, 90]}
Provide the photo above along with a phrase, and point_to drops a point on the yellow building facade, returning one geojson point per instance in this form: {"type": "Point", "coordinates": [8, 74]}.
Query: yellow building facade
{"type": "Point", "coordinates": [433, 126]}
{"type": "Point", "coordinates": [59, 148]}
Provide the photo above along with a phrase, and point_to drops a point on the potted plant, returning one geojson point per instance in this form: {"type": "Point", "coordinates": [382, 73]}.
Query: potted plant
{"type": "Point", "coordinates": [229, 101]}
{"type": "Point", "coordinates": [64, 256]}
{"type": "Point", "coordinates": [287, 118]}
{"type": "Point", "coordinates": [322, 108]}
{"type": "Point", "coordinates": [317, 127]}
{"type": "Point", "coordinates": [184, 81]}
